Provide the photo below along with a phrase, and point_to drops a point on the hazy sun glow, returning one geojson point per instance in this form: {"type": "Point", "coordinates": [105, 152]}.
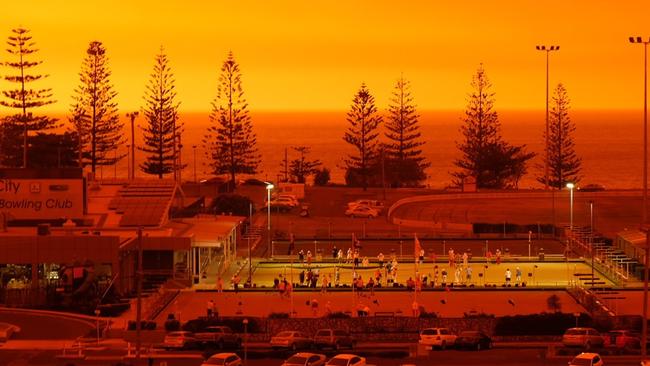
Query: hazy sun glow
{"type": "Point", "coordinates": [312, 55]}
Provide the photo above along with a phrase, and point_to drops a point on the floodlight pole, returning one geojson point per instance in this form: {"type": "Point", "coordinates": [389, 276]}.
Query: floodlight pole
{"type": "Point", "coordinates": [546, 146]}
{"type": "Point", "coordinates": [644, 213]}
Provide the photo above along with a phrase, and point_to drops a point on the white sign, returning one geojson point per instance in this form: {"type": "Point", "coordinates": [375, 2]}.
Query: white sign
{"type": "Point", "coordinates": [42, 198]}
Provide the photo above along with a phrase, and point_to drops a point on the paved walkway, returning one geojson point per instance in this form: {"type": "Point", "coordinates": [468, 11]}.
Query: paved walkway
{"type": "Point", "coordinates": [452, 303]}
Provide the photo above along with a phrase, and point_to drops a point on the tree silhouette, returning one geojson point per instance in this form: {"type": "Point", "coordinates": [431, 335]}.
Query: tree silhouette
{"type": "Point", "coordinates": [231, 143]}
{"type": "Point", "coordinates": [21, 48]}
{"type": "Point", "coordinates": [362, 134]}
{"type": "Point", "coordinates": [563, 162]}
{"type": "Point", "coordinates": [403, 154]}
{"type": "Point", "coordinates": [301, 168]}
{"type": "Point", "coordinates": [94, 112]}
{"type": "Point", "coordinates": [485, 156]}
{"type": "Point", "coordinates": [162, 128]}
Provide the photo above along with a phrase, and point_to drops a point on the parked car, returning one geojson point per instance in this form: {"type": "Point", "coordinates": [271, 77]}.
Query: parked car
{"type": "Point", "coordinates": [289, 198]}
{"type": "Point", "coordinates": [471, 339]}
{"type": "Point", "coordinates": [582, 337]}
{"type": "Point", "coordinates": [223, 359]}
{"type": "Point", "coordinates": [305, 359]}
{"type": "Point", "coordinates": [291, 340]}
{"type": "Point", "coordinates": [437, 337]}
{"type": "Point", "coordinates": [591, 188]}
{"type": "Point", "coordinates": [281, 204]}
{"type": "Point", "coordinates": [362, 211]}
{"type": "Point", "coordinates": [622, 339]}
{"type": "Point", "coordinates": [377, 205]}
{"type": "Point", "coordinates": [333, 338]}
{"type": "Point", "coordinates": [346, 360]}
{"type": "Point", "coordinates": [180, 340]}
{"type": "Point", "coordinates": [220, 336]}
{"type": "Point", "coordinates": [587, 359]}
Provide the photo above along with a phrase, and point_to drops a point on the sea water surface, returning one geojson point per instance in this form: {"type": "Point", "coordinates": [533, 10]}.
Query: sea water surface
{"type": "Point", "coordinates": [610, 143]}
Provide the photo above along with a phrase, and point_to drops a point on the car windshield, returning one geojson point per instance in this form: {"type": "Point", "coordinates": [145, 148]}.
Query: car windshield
{"type": "Point", "coordinates": [338, 362]}
{"type": "Point", "coordinates": [429, 332]}
{"type": "Point", "coordinates": [297, 360]}
{"type": "Point", "coordinates": [284, 334]}
{"type": "Point", "coordinates": [575, 332]}
{"type": "Point", "coordinates": [581, 362]}
{"type": "Point", "coordinates": [216, 361]}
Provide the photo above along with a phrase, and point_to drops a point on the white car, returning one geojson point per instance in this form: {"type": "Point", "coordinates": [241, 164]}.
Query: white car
{"type": "Point", "coordinates": [346, 360]}
{"type": "Point", "coordinates": [377, 205]}
{"type": "Point", "coordinates": [437, 337]}
{"type": "Point", "coordinates": [305, 359]}
{"type": "Point", "coordinates": [362, 211]}
{"type": "Point", "coordinates": [223, 359]}
{"type": "Point", "coordinates": [587, 359]}
{"type": "Point", "coordinates": [289, 197]}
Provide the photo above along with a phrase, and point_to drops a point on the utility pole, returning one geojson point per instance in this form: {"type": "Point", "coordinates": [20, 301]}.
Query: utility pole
{"type": "Point", "coordinates": [133, 116]}
{"type": "Point", "coordinates": [138, 317]}
{"type": "Point", "coordinates": [645, 42]}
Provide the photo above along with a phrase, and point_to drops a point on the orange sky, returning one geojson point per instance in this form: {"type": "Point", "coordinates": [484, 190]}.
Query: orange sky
{"type": "Point", "coordinates": [311, 55]}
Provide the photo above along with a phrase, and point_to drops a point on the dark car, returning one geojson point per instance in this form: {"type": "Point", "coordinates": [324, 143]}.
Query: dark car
{"type": "Point", "coordinates": [471, 339]}
{"type": "Point", "coordinates": [220, 336]}
{"type": "Point", "coordinates": [333, 338]}
{"type": "Point", "coordinates": [591, 188]}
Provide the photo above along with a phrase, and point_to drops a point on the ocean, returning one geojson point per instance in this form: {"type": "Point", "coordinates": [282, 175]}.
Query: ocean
{"type": "Point", "coordinates": [610, 143]}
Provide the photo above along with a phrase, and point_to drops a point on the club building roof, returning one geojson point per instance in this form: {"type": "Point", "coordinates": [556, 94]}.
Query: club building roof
{"type": "Point", "coordinates": [113, 212]}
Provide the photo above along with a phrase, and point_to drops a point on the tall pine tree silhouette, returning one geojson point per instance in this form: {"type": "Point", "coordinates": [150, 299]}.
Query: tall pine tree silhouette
{"type": "Point", "coordinates": [231, 143]}
{"type": "Point", "coordinates": [485, 156]}
{"type": "Point", "coordinates": [162, 129]}
{"type": "Point", "coordinates": [94, 111]}
{"type": "Point", "coordinates": [16, 127]}
{"type": "Point", "coordinates": [563, 162]}
{"type": "Point", "coordinates": [362, 134]}
{"type": "Point", "coordinates": [403, 148]}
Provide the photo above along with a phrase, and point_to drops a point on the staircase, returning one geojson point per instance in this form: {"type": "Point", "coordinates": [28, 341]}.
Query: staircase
{"type": "Point", "coordinates": [253, 232]}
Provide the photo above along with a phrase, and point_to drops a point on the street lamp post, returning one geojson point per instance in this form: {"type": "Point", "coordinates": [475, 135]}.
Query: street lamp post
{"type": "Point", "coordinates": [133, 116]}
{"type": "Point", "coordinates": [570, 186]}
{"type": "Point", "coordinates": [644, 212]}
{"type": "Point", "coordinates": [245, 341]}
{"type": "Point", "coordinates": [269, 187]}
{"type": "Point", "coordinates": [547, 50]}
{"type": "Point", "coordinates": [97, 312]}
{"type": "Point", "coordinates": [645, 43]}
{"type": "Point", "coordinates": [194, 150]}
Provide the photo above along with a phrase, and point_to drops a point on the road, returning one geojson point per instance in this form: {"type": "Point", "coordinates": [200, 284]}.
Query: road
{"type": "Point", "coordinates": [501, 357]}
{"type": "Point", "coordinates": [35, 325]}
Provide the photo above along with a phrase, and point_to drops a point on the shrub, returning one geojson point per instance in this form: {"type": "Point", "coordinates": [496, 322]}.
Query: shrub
{"type": "Point", "coordinates": [429, 315]}
{"type": "Point", "coordinates": [338, 315]}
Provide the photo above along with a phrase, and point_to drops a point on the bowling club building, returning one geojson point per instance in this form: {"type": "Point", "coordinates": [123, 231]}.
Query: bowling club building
{"type": "Point", "coordinates": [57, 226]}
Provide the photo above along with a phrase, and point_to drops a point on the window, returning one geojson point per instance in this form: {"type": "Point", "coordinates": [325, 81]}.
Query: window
{"type": "Point", "coordinates": [231, 359]}
{"type": "Point", "coordinates": [429, 332]}
{"type": "Point", "coordinates": [444, 331]}
{"type": "Point", "coordinates": [596, 359]}
{"type": "Point", "coordinates": [313, 359]}
{"type": "Point", "coordinates": [354, 360]}
{"type": "Point", "coordinates": [323, 333]}
{"type": "Point", "coordinates": [340, 333]}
